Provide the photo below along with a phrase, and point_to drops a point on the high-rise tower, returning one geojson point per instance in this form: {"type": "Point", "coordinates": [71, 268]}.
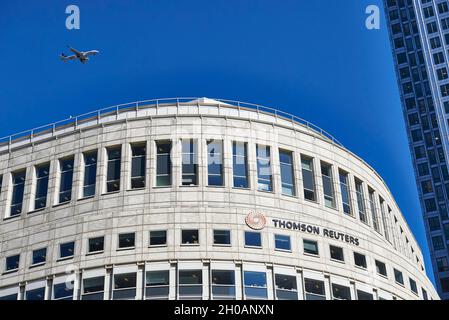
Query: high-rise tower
{"type": "Point", "coordinates": [419, 34]}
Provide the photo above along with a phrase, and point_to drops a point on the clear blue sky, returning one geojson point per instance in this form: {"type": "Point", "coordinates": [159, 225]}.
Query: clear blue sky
{"type": "Point", "coordinates": [315, 59]}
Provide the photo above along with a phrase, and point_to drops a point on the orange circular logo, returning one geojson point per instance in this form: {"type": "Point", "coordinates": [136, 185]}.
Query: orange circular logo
{"type": "Point", "coordinates": [256, 220]}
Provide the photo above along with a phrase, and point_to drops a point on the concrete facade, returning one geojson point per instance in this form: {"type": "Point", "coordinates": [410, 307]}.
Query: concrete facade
{"type": "Point", "coordinates": [202, 207]}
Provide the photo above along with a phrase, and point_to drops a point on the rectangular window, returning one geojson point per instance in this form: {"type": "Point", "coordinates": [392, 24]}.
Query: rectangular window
{"type": "Point", "coordinates": [282, 242]}
{"type": "Point", "coordinates": [398, 277]}
{"type": "Point", "coordinates": [372, 204]}
{"type": "Point", "coordinates": [190, 284]}
{"type": "Point", "coordinates": [62, 292]}
{"type": "Point", "coordinates": [345, 194]}
{"type": "Point", "coordinates": [158, 238]}
{"type": "Point", "coordinates": [18, 186]}
{"type": "Point", "coordinates": [310, 247]}
{"type": "Point", "coordinates": [190, 236]}
{"type": "Point", "coordinates": [255, 284]}
{"type": "Point", "coordinates": [442, 264]}
{"type": "Point", "coordinates": [35, 294]}
{"type": "Point", "coordinates": [314, 289]}
{"type": "Point", "coordinates": [222, 237]}
{"type": "Point", "coordinates": [96, 244]}
{"type": "Point", "coordinates": [189, 162]}
{"type": "Point", "coordinates": [39, 256]}
{"type": "Point", "coordinates": [360, 200]}
{"type": "Point", "coordinates": [65, 185]}
{"type": "Point", "coordinates": [336, 253]}
{"type": "Point", "coordinates": [12, 263]}
{"type": "Point", "coordinates": [328, 185]}
{"type": "Point", "coordinates": [264, 177]}
{"type": "Point", "coordinates": [340, 292]}
{"type": "Point", "coordinates": [384, 218]}
{"type": "Point", "coordinates": [240, 164]}
{"type": "Point", "coordinates": [308, 178]}
{"type": "Point", "coordinates": [126, 240]}
{"type": "Point", "coordinates": [66, 250]}
{"type": "Point", "coordinates": [90, 173]}
{"type": "Point", "coordinates": [157, 284]}
{"type": "Point", "coordinates": [253, 239]}
{"type": "Point", "coordinates": [93, 288]}
{"type": "Point", "coordinates": [163, 164]}
{"type": "Point", "coordinates": [42, 174]}
{"type": "Point", "coordinates": [381, 268]}
{"type": "Point", "coordinates": [362, 295]}
{"type": "Point", "coordinates": [286, 287]}
{"type": "Point", "coordinates": [113, 169]}
{"type": "Point", "coordinates": [424, 294]}
{"type": "Point", "coordinates": [1, 183]}
{"type": "Point", "coordinates": [413, 286]}
{"type": "Point", "coordinates": [124, 286]}
{"type": "Point", "coordinates": [215, 163]}
{"type": "Point", "coordinates": [360, 260]}
{"type": "Point", "coordinates": [438, 243]}
{"type": "Point", "coordinates": [287, 173]}
{"type": "Point", "coordinates": [138, 165]}
{"type": "Point", "coordinates": [223, 284]}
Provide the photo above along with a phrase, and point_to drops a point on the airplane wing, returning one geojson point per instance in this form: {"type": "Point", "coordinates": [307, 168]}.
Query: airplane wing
{"type": "Point", "coordinates": [90, 53]}
{"type": "Point", "coordinates": [74, 51]}
{"type": "Point", "coordinates": [65, 58]}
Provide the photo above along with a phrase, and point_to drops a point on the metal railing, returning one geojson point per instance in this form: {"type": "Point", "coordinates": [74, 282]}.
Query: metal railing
{"type": "Point", "coordinates": [74, 122]}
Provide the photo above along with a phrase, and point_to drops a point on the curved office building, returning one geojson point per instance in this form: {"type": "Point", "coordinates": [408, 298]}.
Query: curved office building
{"type": "Point", "coordinates": [198, 199]}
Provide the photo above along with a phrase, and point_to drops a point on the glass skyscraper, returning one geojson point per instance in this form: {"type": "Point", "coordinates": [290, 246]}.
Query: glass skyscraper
{"type": "Point", "coordinates": [419, 34]}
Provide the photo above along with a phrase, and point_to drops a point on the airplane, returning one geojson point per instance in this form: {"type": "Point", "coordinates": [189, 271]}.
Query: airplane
{"type": "Point", "coordinates": [83, 56]}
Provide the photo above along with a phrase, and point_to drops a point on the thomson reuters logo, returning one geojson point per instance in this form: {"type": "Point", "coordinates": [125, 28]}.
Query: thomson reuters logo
{"type": "Point", "coordinates": [256, 220]}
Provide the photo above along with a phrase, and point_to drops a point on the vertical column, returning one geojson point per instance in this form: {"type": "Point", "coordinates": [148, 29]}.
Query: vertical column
{"type": "Point", "coordinates": [206, 281]}
{"type": "Point", "coordinates": [140, 278]}
{"type": "Point", "coordinates": [238, 282]}
{"type": "Point", "coordinates": [270, 285]}
{"type": "Point", "coordinates": [173, 292]}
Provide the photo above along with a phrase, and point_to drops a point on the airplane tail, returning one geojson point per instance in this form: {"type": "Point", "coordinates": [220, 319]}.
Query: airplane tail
{"type": "Point", "coordinates": [63, 57]}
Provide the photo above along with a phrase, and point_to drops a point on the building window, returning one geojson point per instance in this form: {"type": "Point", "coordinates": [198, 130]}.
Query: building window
{"type": "Point", "coordinates": [223, 284]}
{"type": "Point", "coordinates": [90, 173]}
{"type": "Point", "coordinates": [442, 264]}
{"type": "Point", "coordinates": [434, 223]}
{"type": "Point", "coordinates": [308, 178]}
{"type": "Point", "coordinates": [190, 236]}
{"type": "Point", "coordinates": [158, 238]}
{"type": "Point", "coordinates": [93, 288]}
{"type": "Point", "coordinates": [398, 277]}
{"type": "Point", "coordinates": [442, 74]}
{"type": "Point", "coordinates": [345, 194]}
{"type": "Point", "coordinates": [424, 294]}
{"type": "Point", "coordinates": [413, 286]}
{"type": "Point", "coordinates": [215, 163]}
{"type": "Point", "coordinates": [39, 256]}
{"type": "Point", "coordinates": [157, 284]}
{"type": "Point", "coordinates": [18, 185]}
{"type": "Point", "coordinates": [240, 164]}
{"type": "Point", "coordinates": [336, 253]}
{"type": "Point", "coordinates": [190, 284]}
{"type": "Point", "coordinates": [310, 247]}
{"type": "Point", "coordinates": [264, 177]}
{"type": "Point", "coordinates": [138, 165]}
{"type": "Point", "coordinates": [163, 164]}
{"type": "Point", "coordinates": [189, 162]}
{"type": "Point", "coordinates": [253, 239]}
{"type": "Point", "coordinates": [282, 242]}
{"type": "Point", "coordinates": [328, 185]}
{"type": "Point", "coordinates": [12, 263]}
{"type": "Point", "coordinates": [444, 284]}
{"type": "Point", "coordinates": [1, 183]}
{"type": "Point", "coordinates": [96, 244]}
{"type": "Point", "coordinates": [66, 250]}
{"type": "Point", "coordinates": [126, 240]}
{"type": "Point", "coordinates": [222, 237]}
{"type": "Point", "coordinates": [362, 295]}
{"type": "Point", "coordinates": [360, 200]}
{"type": "Point", "coordinates": [384, 218]}
{"type": "Point", "coordinates": [255, 285]}
{"type": "Point", "coordinates": [287, 173]}
{"type": "Point", "coordinates": [35, 294]}
{"type": "Point", "coordinates": [314, 289]}
{"type": "Point", "coordinates": [286, 287]}
{"type": "Point", "coordinates": [438, 243]}
{"type": "Point", "coordinates": [62, 292]}
{"type": "Point", "coordinates": [381, 268]}
{"type": "Point", "coordinates": [40, 198]}
{"type": "Point", "coordinates": [113, 169]}
{"type": "Point", "coordinates": [340, 292]}
{"type": "Point", "coordinates": [444, 90]}
{"type": "Point", "coordinates": [65, 185]}
{"type": "Point", "coordinates": [360, 260]}
{"type": "Point", "coordinates": [124, 286]}
{"type": "Point", "coordinates": [372, 204]}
